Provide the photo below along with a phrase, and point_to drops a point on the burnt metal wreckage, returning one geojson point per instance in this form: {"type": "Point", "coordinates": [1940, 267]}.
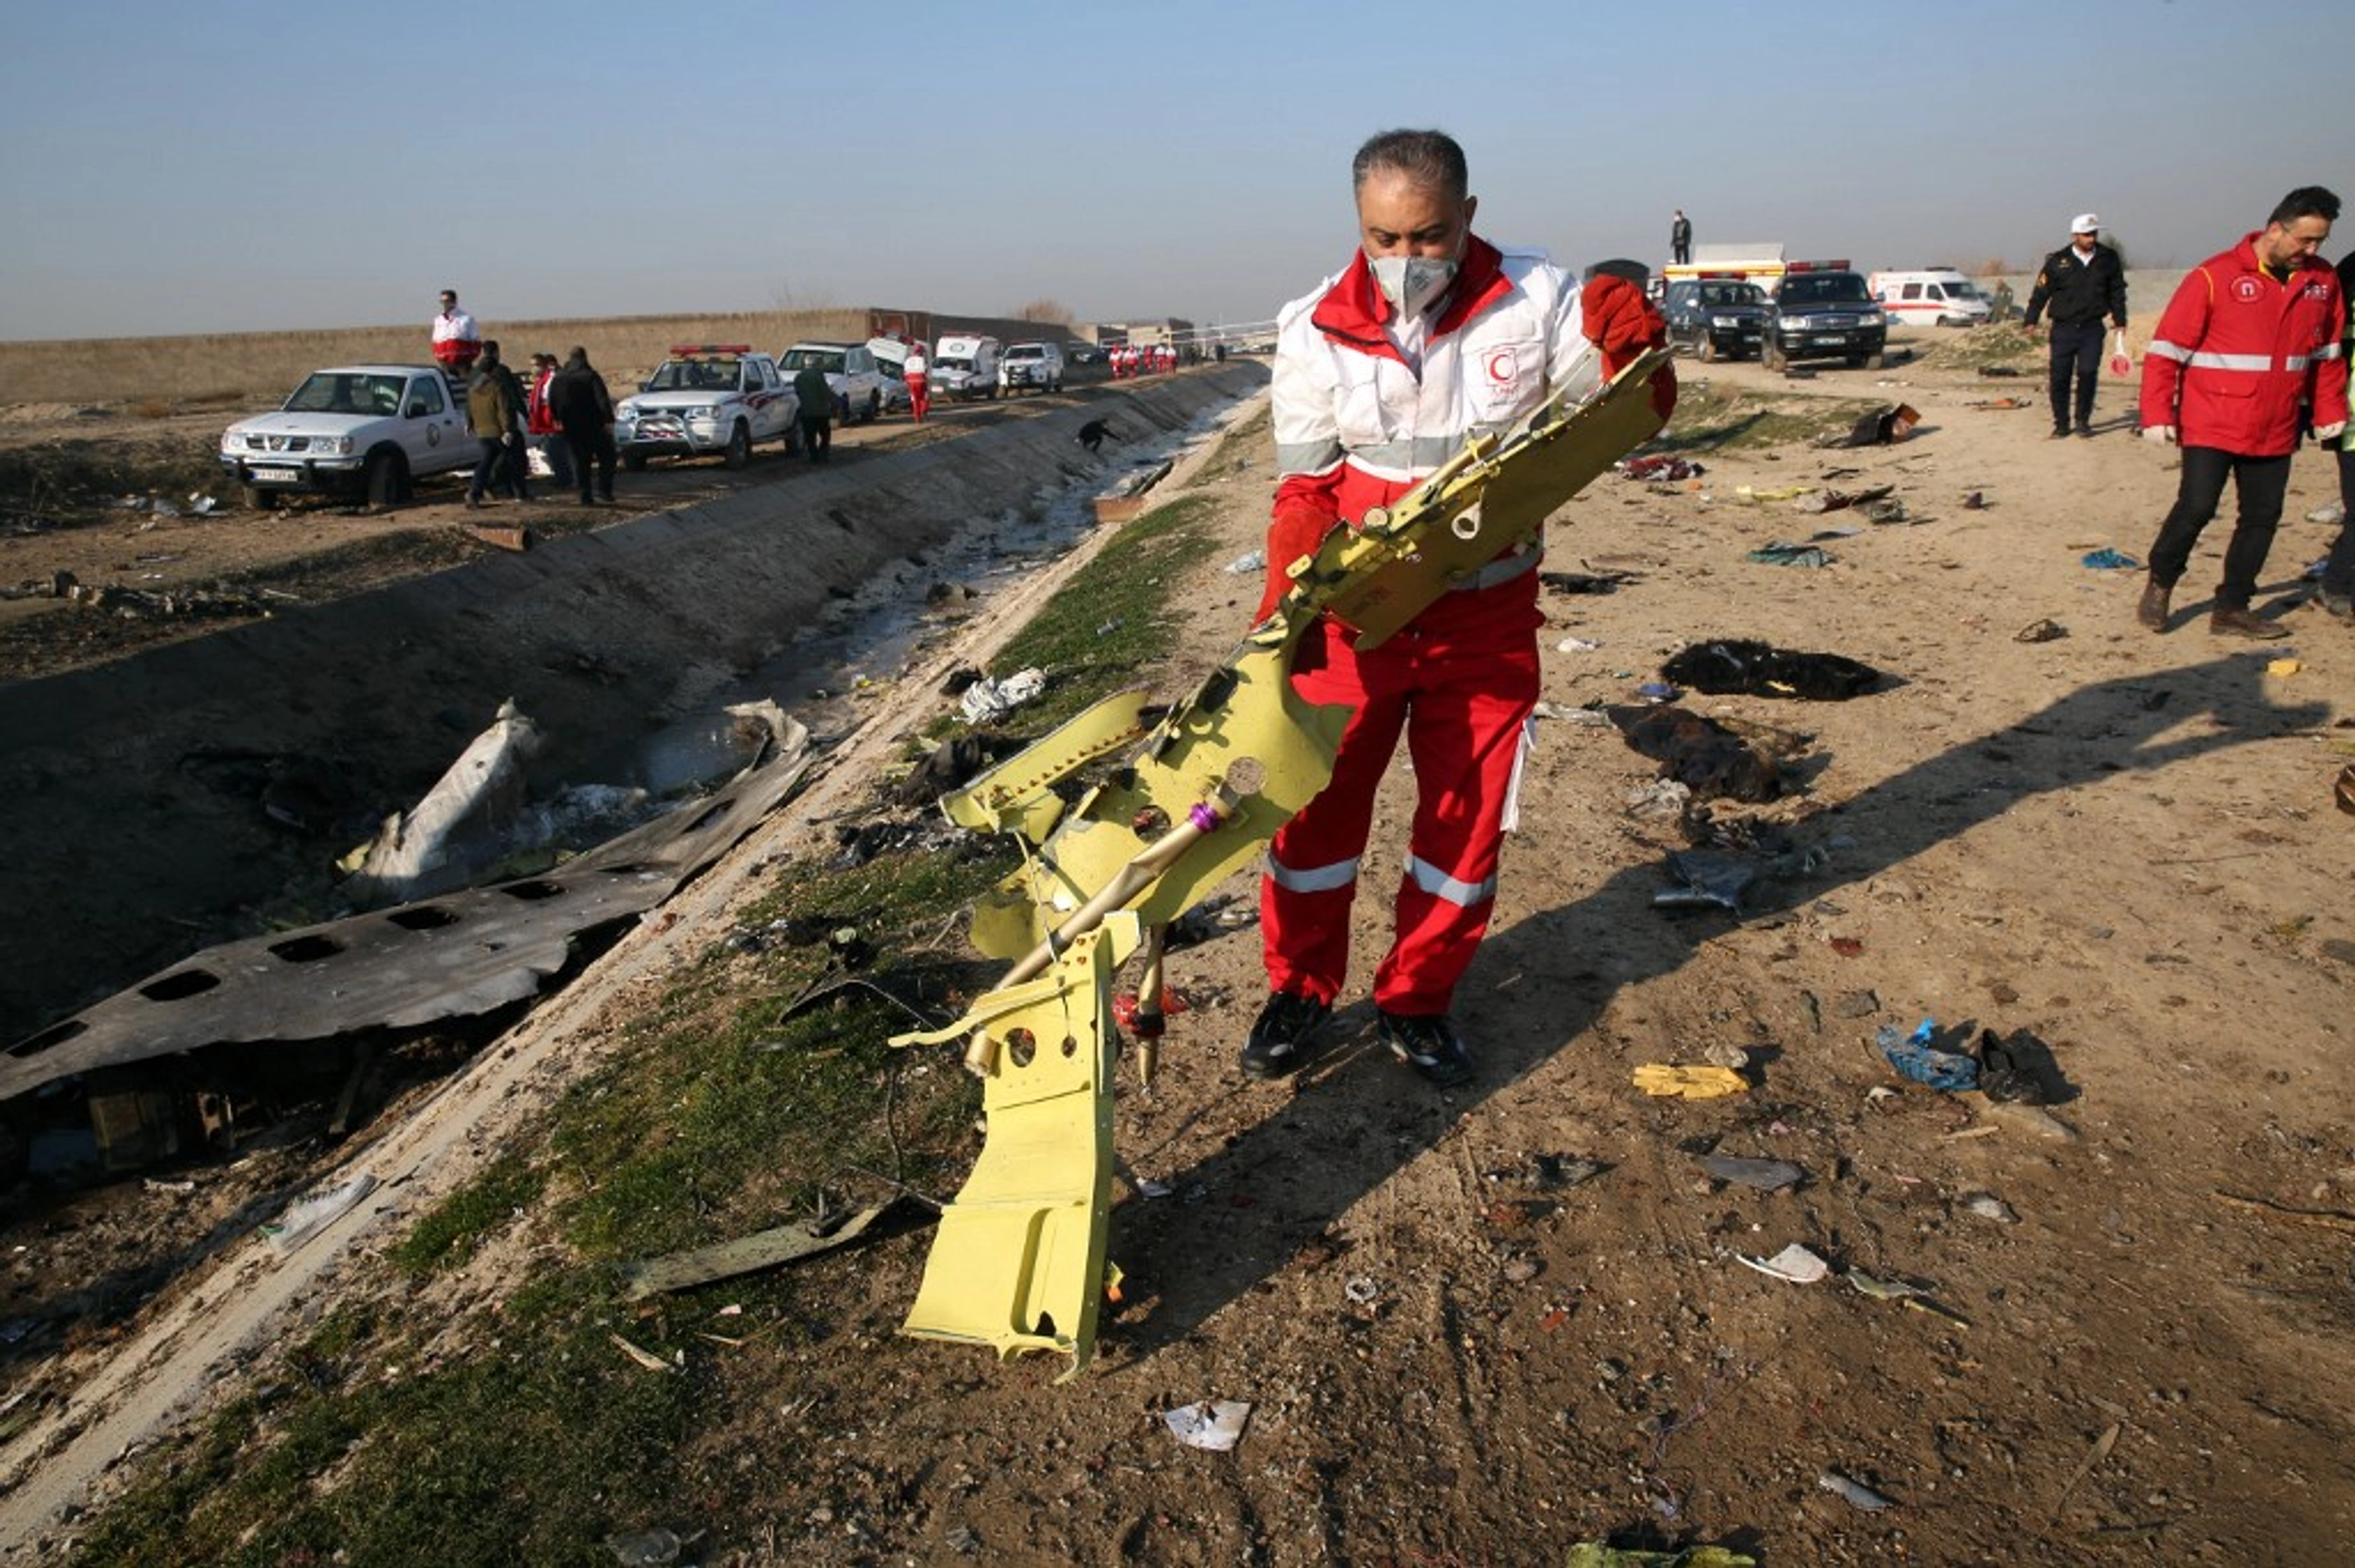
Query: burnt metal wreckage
{"type": "Point", "coordinates": [453, 956]}
{"type": "Point", "coordinates": [1019, 1263]}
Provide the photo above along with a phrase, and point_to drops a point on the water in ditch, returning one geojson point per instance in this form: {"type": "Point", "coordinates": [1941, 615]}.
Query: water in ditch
{"type": "Point", "coordinates": [865, 641]}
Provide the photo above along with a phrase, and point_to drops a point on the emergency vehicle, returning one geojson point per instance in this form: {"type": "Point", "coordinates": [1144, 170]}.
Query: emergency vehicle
{"type": "Point", "coordinates": [965, 365]}
{"type": "Point", "coordinates": [1931, 296]}
{"type": "Point", "coordinates": [706, 398]}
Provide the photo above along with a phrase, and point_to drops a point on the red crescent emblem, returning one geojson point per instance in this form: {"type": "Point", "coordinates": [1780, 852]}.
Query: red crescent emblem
{"type": "Point", "coordinates": [1501, 366]}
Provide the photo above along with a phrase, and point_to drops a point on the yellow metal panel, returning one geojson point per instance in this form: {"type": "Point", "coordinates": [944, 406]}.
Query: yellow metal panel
{"type": "Point", "coordinates": [1018, 1262]}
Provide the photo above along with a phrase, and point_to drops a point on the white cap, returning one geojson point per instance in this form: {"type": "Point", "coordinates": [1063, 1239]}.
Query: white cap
{"type": "Point", "coordinates": [2084, 223]}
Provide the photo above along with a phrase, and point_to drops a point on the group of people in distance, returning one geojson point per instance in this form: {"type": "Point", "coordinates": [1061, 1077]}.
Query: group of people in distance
{"type": "Point", "coordinates": [1128, 361]}
{"type": "Point", "coordinates": [566, 412]}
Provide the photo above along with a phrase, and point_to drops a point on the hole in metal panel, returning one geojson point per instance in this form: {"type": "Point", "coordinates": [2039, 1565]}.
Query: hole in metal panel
{"type": "Point", "coordinates": [305, 949]}
{"type": "Point", "coordinates": [1022, 1046]}
{"type": "Point", "coordinates": [49, 1039]}
{"type": "Point", "coordinates": [534, 890]}
{"type": "Point", "coordinates": [422, 917]}
{"type": "Point", "coordinates": [174, 988]}
{"type": "Point", "coordinates": [1071, 1045]}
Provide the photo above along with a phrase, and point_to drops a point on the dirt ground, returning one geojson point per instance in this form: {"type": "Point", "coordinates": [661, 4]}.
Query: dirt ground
{"type": "Point", "coordinates": [2132, 1341]}
{"type": "Point", "coordinates": [152, 541]}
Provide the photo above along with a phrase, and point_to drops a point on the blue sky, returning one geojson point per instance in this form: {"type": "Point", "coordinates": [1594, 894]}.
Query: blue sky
{"type": "Point", "coordinates": [247, 166]}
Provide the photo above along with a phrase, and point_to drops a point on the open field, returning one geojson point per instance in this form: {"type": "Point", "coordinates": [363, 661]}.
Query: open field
{"type": "Point", "coordinates": [2133, 1343]}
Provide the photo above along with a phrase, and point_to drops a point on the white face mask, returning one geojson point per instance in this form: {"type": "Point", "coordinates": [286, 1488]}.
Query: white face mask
{"type": "Point", "coordinates": [1411, 284]}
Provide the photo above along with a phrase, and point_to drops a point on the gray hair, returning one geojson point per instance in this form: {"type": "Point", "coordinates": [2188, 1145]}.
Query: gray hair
{"type": "Point", "coordinates": [1427, 158]}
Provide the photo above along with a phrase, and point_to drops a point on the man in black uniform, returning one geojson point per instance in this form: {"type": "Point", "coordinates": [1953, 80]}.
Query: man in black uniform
{"type": "Point", "coordinates": [2081, 283]}
{"type": "Point", "coordinates": [1680, 238]}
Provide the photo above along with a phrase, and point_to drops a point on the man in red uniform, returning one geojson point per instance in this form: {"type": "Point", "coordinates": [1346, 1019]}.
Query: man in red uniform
{"type": "Point", "coordinates": [1429, 334]}
{"type": "Point", "coordinates": [457, 340]}
{"type": "Point", "coordinates": [2250, 337]}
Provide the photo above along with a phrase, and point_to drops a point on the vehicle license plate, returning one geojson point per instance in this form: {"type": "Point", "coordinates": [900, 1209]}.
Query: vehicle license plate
{"type": "Point", "coordinates": [278, 475]}
{"type": "Point", "coordinates": [1829, 342]}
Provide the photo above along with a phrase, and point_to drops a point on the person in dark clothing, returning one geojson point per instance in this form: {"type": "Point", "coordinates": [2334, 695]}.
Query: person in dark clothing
{"type": "Point", "coordinates": [2078, 284]}
{"type": "Point", "coordinates": [2339, 570]}
{"type": "Point", "coordinates": [1093, 434]}
{"type": "Point", "coordinates": [1680, 238]}
{"type": "Point", "coordinates": [495, 415]}
{"type": "Point", "coordinates": [816, 396]}
{"type": "Point", "coordinates": [585, 410]}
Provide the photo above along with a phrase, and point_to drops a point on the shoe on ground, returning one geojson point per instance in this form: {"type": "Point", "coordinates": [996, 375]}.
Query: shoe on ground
{"type": "Point", "coordinates": [2337, 606]}
{"type": "Point", "coordinates": [2084, 433]}
{"type": "Point", "coordinates": [474, 503]}
{"type": "Point", "coordinates": [2153, 610]}
{"type": "Point", "coordinates": [2059, 433]}
{"type": "Point", "coordinates": [2245, 624]}
{"type": "Point", "coordinates": [1281, 1038]}
{"type": "Point", "coordinates": [1427, 1045]}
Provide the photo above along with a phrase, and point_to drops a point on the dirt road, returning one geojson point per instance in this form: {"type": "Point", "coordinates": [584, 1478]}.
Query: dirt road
{"type": "Point", "coordinates": [2133, 1335]}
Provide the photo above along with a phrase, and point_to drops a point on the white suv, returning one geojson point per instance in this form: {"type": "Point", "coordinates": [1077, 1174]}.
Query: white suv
{"type": "Point", "coordinates": [1038, 366]}
{"type": "Point", "coordinates": [850, 371]}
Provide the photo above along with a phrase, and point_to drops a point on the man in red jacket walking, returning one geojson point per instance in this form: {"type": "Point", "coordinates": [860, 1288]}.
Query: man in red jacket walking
{"type": "Point", "coordinates": [2249, 343]}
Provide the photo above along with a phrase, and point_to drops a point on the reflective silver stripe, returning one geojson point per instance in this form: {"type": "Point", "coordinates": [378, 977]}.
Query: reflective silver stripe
{"type": "Point", "coordinates": [1440, 885]}
{"type": "Point", "coordinates": [2166, 351]}
{"type": "Point", "coordinates": [1316, 879]}
{"type": "Point", "coordinates": [1415, 454]}
{"type": "Point", "coordinates": [1514, 563]}
{"type": "Point", "coordinates": [1307, 457]}
{"type": "Point", "coordinates": [2207, 361]}
{"type": "Point", "coordinates": [2329, 353]}
{"type": "Point", "coordinates": [1522, 749]}
{"type": "Point", "coordinates": [2294, 361]}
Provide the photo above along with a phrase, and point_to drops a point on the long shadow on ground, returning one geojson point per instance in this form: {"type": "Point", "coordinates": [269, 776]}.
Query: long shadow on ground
{"type": "Point", "coordinates": [1573, 960]}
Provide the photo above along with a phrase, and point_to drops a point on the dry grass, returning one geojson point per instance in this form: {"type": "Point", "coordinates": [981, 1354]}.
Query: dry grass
{"type": "Point", "coordinates": [257, 369]}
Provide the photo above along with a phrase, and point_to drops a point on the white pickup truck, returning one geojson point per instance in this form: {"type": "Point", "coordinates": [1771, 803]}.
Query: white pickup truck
{"type": "Point", "coordinates": [709, 397]}
{"type": "Point", "coordinates": [362, 430]}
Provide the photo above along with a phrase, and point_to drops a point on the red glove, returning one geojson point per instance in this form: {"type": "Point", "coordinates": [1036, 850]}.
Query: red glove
{"type": "Point", "coordinates": [1294, 530]}
{"type": "Point", "coordinates": [1622, 323]}
{"type": "Point", "coordinates": [1619, 321]}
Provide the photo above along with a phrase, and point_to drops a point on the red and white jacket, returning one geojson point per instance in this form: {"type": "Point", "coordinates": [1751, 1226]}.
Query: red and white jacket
{"type": "Point", "coordinates": [2238, 350]}
{"type": "Point", "coordinates": [1357, 426]}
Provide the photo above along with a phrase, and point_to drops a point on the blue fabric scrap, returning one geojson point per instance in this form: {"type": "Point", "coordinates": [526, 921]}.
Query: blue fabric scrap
{"type": "Point", "coordinates": [1914, 1056]}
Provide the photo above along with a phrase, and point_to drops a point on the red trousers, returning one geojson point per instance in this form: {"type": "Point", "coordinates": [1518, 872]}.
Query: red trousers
{"type": "Point", "coordinates": [919, 397]}
{"type": "Point", "coordinates": [1463, 702]}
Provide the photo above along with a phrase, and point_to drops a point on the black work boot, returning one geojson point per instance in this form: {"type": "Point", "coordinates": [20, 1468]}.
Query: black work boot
{"type": "Point", "coordinates": [2153, 610]}
{"type": "Point", "coordinates": [1427, 1045]}
{"type": "Point", "coordinates": [1280, 1039]}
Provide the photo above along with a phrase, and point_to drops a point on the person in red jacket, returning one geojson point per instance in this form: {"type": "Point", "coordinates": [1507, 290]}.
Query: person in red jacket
{"type": "Point", "coordinates": [1429, 334]}
{"type": "Point", "coordinates": [539, 420]}
{"type": "Point", "coordinates": [2248, 345]}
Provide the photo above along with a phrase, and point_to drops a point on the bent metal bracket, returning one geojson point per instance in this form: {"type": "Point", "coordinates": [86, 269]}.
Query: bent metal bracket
{"type": "Point", "coordinates": [1019, 1260]}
